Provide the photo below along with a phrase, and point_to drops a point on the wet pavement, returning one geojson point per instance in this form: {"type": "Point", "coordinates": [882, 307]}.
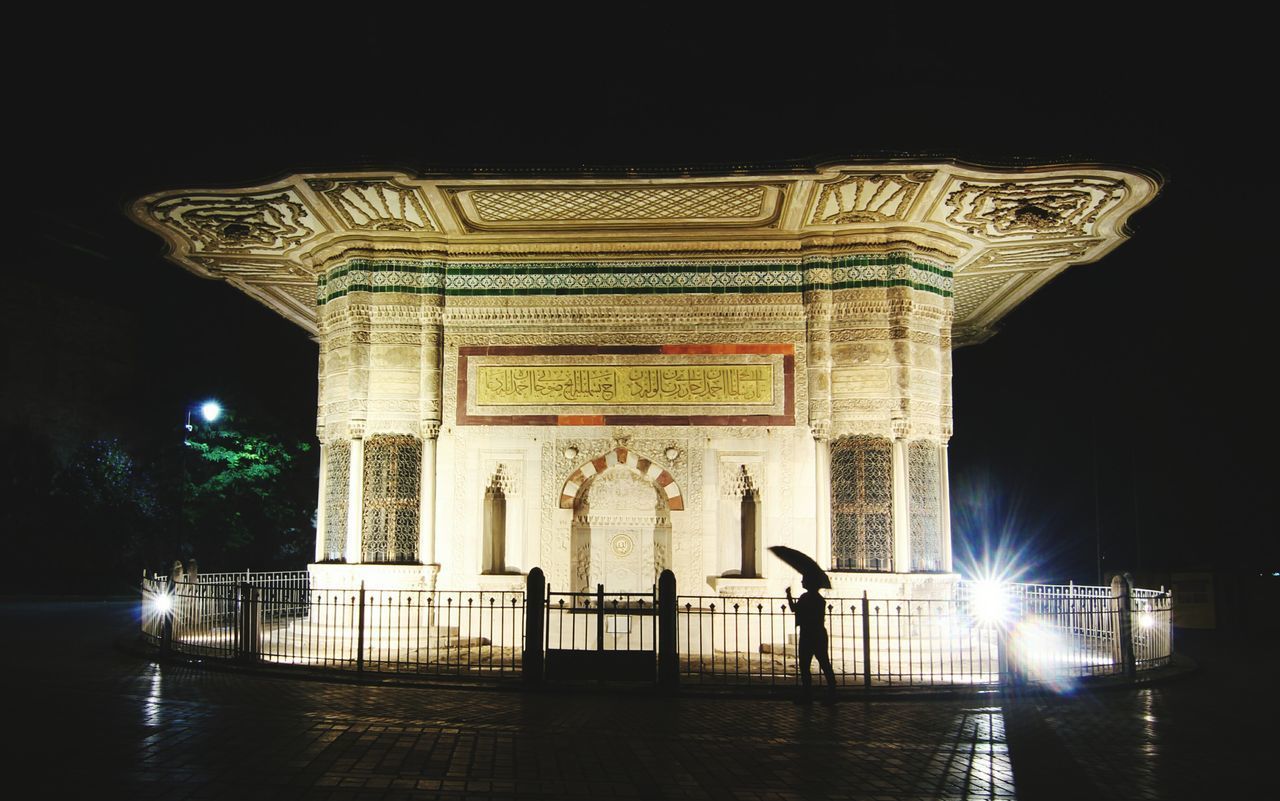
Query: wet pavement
{"type": "Point", "coordinates": [86, 719]}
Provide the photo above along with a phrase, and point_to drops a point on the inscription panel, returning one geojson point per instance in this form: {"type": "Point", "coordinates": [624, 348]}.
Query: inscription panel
{"type": "Point", "coordinates": [640, 384]}
{"type": "Point", "coordinates": [720, 384]}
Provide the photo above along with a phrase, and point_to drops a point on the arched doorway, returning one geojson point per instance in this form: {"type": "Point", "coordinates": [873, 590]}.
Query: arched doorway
{"type": "Point", "coordinates": [621, 534]}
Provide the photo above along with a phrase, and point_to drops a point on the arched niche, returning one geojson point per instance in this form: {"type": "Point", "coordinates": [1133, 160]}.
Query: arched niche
{"type": "Point", "coordinates": [621, 531]}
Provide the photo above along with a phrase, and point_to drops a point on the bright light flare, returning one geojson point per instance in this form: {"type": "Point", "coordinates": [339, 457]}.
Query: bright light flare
{"type": "Point", "coordinates": [1146, 620]}
{"type": "Point", "coordinates": [1043, 654]}
{"type": "Point", "coordinates": [157, 605]}
{"type": "Point", "coordinates": [990, 601]}
{"type": "Point", "coordinates": [210, 410]}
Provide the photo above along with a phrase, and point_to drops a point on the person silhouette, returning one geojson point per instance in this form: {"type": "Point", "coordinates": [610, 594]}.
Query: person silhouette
{"type": "Point", "coordinates": [810, 610]}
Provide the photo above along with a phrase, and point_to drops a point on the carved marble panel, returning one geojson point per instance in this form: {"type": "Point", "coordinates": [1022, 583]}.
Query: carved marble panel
{"type": "Point", "coordinates": [375, 204]}
{"type": "Point", "coordinates": [268, 223]}
{"type": "Point", "coordinates": [1058, 207]}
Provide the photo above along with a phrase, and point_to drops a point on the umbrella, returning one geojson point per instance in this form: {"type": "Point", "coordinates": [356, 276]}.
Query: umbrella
{"type": "Point", "coordinates": [804, 564]}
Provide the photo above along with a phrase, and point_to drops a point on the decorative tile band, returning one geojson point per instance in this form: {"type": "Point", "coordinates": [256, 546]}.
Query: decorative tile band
{"type": "Point", "coordinates": [653, 277]}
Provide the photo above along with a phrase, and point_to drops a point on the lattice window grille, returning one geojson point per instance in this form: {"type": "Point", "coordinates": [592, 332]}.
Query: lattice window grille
{"type": "Point", "coordinates": [862, 504]}
{"type": "Point", "coordinates": [737, 479]}
{"type": "Point", "coordinates": [392, 470]}
{"type": "Point", "coordinates": [926, 506]}
{"type": "Point", "coordinates": [337, 491]}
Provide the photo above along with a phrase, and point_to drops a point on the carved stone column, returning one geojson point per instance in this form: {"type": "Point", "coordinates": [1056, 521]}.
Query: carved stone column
{"type": "Point", "coordinates": [901, 504]}
{"type": "Point", "coordinates": [427, 494]}
{"type": "Point", "coordinates": [818, 344]}
{"type": "Point", "coordinates": [355, 501]}
{"type": "Point", "coordinates": [944, 507]}
{"type": "Point", "coordinates": [822, 494]}
{"type": "Point", "coordinates": [321, 511]}
{"type": "Point", "coordinates": [818, 311]}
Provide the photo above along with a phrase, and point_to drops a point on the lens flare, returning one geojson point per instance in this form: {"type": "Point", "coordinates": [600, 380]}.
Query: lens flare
{"type": "Point", "coordinates": [1044, 655]}
{"type": "Point", "coordinates": [210, 411]}
{"type": "Point", "coordinates": [990, 601]}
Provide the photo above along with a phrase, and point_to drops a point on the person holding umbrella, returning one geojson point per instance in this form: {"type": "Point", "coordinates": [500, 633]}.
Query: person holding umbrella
{"type": "Point", "coordinates": [810, 610]}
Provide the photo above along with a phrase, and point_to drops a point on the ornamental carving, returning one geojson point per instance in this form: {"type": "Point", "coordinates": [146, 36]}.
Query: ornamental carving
{"type": "Point", "coordinates": [272, 222]}
{"type": "Point", "coordinates": [861, 198]}
{"type": "Point", "coordinates": [302, 294]}
{"type": "Point", "coordinates": [1065, 207]}
{"type": "Point", "coordinates": [375, 205]}
{"type": "Point", "coordinates": [737, 477]}
{"type": "Point", "coordinates": [1028, 255]}
{"type": "Point", "coordinates": [974, 291]}
{"type": "Point", "coordinates": [743, 202]}
{"type": "Point", "coordinates": [504, 477]}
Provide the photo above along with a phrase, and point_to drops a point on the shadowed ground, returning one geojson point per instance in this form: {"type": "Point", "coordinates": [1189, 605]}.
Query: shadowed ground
{"type": "Point", "coordinates": [86, 718]}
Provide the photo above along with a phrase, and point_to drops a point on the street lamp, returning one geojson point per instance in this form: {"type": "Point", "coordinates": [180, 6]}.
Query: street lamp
{"type": "Point", "coordinates": [210, 410]}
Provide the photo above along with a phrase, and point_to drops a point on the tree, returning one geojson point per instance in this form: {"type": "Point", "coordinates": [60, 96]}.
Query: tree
{"type": "Point", "coordinates": [105, 518]}
{"type": "Point", "coordinates": [248, 499]}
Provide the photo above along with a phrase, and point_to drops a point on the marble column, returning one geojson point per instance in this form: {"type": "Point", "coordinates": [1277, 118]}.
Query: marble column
{"type": "Point", "coordinates": [901, 508]}
{"type": "Point", "coordinates": [355, 504]}
{"type": "Point", "coordinates": [822, 495]}
{"type": "Point", "coordinates": [944, 507]}
{"type": "Point", "coordinates": [427, 495]}
{"type": "Point", "coordinates": [321, 512]}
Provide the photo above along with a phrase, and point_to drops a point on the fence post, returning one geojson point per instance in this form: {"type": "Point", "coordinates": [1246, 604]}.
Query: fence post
{"type": "Point", "coordinates": [360, 632]}
{"type": "Point", "coordinates": [1121, 586]}
{"type": "Point", "coordinates": [535, 599]}
{"type": "Point", "coordinates": [166, 625]}
{"type": "Point", "coordinates": [866, 640]}
{"type": "Point", "coordinates": [250, 622]}
{"type": "Point", "coordinates": [668, 660]}
{"type": "Point", "coordinates": [599, 617]}
{"type": "Point", "coordinates": [1006, 676]}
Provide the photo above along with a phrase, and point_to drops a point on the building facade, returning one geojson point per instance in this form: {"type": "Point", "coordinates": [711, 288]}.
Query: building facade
{"type": "Point", "coordinates": [608, 377]}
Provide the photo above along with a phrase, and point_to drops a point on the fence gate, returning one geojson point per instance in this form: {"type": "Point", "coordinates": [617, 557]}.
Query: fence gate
{"type": "Point", "coordinates": [602, 635]}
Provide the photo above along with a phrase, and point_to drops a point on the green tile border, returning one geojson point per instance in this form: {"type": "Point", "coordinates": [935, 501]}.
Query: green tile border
{"type": "Point", "coordinates": [894, 269]}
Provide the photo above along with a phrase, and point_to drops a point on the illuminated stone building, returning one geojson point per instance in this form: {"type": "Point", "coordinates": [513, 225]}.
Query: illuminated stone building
{"type": "Point", "coordinates": [605, 377]}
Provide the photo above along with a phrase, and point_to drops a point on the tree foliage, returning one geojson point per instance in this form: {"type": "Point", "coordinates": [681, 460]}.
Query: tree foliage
{"type": "Point", "coordinates": [248, 499]}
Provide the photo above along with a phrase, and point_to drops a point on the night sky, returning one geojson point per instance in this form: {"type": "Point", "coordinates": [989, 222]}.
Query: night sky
{"type": "Point", "coordinates": [1129, 399]}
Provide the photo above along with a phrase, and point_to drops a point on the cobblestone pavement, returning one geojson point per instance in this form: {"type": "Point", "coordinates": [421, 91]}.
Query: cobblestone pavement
{"type": "Point", "coordinates": [87, 720]}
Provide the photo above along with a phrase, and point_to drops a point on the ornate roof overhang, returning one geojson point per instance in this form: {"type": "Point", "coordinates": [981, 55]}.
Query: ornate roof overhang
{"type": "Point", "coordinates": [1005, 232]}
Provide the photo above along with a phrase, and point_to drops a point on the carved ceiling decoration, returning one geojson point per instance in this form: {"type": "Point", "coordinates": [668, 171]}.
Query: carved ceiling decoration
{"type": "Point", "coordinates": [1019, 257]}
{"type": "Point", "coordinates": [971, 294]}
{"type": "Point", "coordinates": [861, 197]}
{"type": "Point", "coordinates": [528, 234]}
{"type": "Point", "coordinates": [1031, 209]}
{"type": "Point", "coordinates": [648, 206]}
{"type": "Point", "coordinates": [272, 222]}
{"type": "Point", "coordinates": [375, 205]}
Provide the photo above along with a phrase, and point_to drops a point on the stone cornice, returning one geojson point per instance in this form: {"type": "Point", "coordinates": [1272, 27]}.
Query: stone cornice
{"type": "Point", "coordinates": [1003, 231]}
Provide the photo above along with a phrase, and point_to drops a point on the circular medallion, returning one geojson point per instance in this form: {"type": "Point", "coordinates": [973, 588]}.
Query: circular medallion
{"type": "Point", "coordinates": [621, 545]}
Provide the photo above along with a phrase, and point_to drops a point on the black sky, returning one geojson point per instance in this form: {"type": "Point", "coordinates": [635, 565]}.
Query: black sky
{"type": "Point", "coordinates": [1128, 397]}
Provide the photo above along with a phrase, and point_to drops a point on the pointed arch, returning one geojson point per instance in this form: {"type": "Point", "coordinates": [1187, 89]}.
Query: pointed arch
{"type": "Point", "coordinates": [623, 456]}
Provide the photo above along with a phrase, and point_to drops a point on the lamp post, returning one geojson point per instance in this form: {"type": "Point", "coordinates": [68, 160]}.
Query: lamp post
{"type": "Point", "coordinates": [209, 411]}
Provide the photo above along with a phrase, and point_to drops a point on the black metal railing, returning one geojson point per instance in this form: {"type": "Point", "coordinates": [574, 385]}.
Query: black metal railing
{"type": "Point", "coordinates": [470, 633]}
{"type": "Point", "coordinates": [1038, 633]}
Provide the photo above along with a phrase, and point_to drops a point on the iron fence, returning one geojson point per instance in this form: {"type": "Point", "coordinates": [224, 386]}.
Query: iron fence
{"type": "Point", "coordinates": [469, 633]}
{"type": "Point", "coordinates": [871, 643]}
{"type": "Point", "coordinates": [1043, 633]}
{"type": "Point", "coordinates": [601, 621]}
